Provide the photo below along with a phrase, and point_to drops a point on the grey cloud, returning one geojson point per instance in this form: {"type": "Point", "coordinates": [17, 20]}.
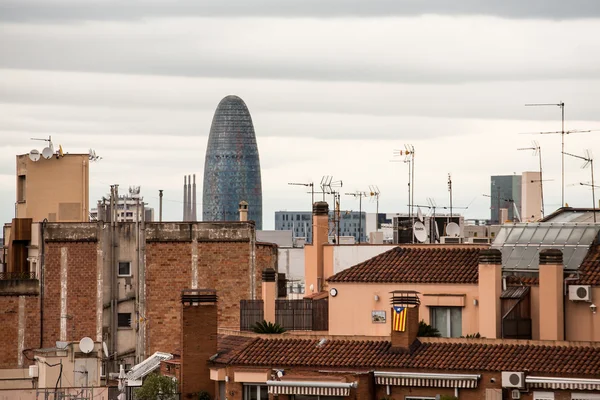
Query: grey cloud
{"type": "Point", "coordinates": [65, 10]}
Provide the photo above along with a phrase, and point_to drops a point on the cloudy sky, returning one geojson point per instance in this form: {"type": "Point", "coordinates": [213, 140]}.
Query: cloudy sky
{"type": "Point", "coordinates": [333, 88]}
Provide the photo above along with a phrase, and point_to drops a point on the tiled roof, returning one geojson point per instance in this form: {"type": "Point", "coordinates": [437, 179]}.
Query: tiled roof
{"type": "Point", "coordinates": [589, 271]}
{"type": "Point", "coordinates": [480, 355]}
{"type": "Point", "coordinates": [229, 345]}
{"type": "Point", "coordinates": [416, 265]}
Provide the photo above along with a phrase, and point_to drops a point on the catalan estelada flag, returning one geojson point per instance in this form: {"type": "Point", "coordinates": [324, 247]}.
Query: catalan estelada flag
{"type": "Point", "coordinates": [399, 319]}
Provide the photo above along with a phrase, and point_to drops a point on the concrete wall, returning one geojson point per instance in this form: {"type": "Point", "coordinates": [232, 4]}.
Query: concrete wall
{"type": "Point", "coordinates": [55, 189]}
{"type": "Point", "coordinates": [360, 299]}
{"type": "Point", "coordinates": [531, 199]}
{"type": "Point", "coordinates": [344, 257]}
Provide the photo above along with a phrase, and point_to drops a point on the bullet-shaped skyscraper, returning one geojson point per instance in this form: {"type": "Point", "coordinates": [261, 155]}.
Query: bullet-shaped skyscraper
{"type": "Point", "coordinates": [232, 165]}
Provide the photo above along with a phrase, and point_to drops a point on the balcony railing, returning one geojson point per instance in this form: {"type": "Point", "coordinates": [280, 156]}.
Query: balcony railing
{"type": "Point", "coordinates": [13, 276]}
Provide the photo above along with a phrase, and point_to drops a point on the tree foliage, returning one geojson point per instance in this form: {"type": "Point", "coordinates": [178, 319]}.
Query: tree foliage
{"type": "Point", "coordinates": [426, 330]}
{"type": "Point", "coordinates": [157, 387]}
{"type": "Point", "coordinates": [267, 327]}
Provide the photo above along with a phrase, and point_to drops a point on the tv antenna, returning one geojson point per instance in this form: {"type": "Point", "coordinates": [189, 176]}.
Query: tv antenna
{"type": "Point", "coordinates": [409, 158]}
{"type": "Point", "coordinates": [374, 192]}
{"type": "Point", "coordinates": [327, 187]}
{"type": "Point", "coordinates": [93, 157]}
{"type": "Point", "coordinates": [450, 191]}
{"type": "Point", "coordinates": [360, 195]}
{"type": "Point", "coordinates": [588, 161]}
{"type": "Point", "coordinates": [312, 192]}
{"type": "Point", "coordinates": [537, 151]}
{"type": "Point", "coordinates": [512, 201]}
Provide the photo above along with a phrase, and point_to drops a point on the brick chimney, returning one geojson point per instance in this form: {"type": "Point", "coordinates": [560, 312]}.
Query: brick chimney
{"type": "Point", "coordinates": [313, 254]}
{"type": "Point", "coordinates": [269, 294]}
{"type": "Point", "coordinates": [490, 289]}
{"type": "Point", "coordinates": [404, 319]}
{"type": "Point", "coordinates": [551, 295]}
{"type": "Point", "coordinates": [198, 341]}
{"type": "Point", "coordinates": [243, 211]}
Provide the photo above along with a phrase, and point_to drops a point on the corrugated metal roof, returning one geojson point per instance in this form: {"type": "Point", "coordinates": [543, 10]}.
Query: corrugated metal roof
{"type": "Point", "coordinates": [515, 292]}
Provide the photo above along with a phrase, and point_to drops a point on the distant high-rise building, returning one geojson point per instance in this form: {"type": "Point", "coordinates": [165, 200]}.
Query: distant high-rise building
{"type": "Point", "coordinates": [232, 165]}
{"type": "Point", "coordinates": [505, 190]}
{"type": "Point", "coordinates": [299, 222]}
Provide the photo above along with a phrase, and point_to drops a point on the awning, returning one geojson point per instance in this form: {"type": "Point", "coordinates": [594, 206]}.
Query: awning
{"type": "Point", "coordinates": [315, 388]}
{"type": "Point", "coordinates": [416, 379]}
{"type": "Point", "coordinates": [549, 382]}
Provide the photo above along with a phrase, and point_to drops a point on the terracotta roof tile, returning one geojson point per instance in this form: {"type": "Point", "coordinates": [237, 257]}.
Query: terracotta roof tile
{"type": "Point", "coordinates": [463, 356]}
{"type": "Point", "coordinates": [416, 265]}
{"type": "Point", "coordinates": [229, 345]}
{"type": "Point", "coordinates": [589, 271]}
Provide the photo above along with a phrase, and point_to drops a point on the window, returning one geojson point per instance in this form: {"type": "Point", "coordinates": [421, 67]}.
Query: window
{"type": "Point", "coordinates": [543, 395]}
{"type": "Point", "coordinates": [418, 398]}
{"type": "Point", "coordinates": [256, 392]}
{"type": "Point", "coordinates": [447, 320]}
{"type": "Point", "coordinates": [124, 320]}
{"type": "Point", "coordinates": [222, 390]}
{"type": "Point", "coordinates": [124, 268]}
{"type": "Point", "coordinates": [21, 186]}
{"type": "Point", "coordinates": [308, 397]}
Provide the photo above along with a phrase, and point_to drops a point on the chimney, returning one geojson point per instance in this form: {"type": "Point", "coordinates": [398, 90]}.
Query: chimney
{"type": "Point", "coordinates": [551, 295]}
{"type": "Point", "coordinates": [189, 199]}
{"type": "Point", "coordinates": [185, 205]}
{"type": "Point", "coordinates": [269, 294]}
{"type": "Point", "coordinates": [313, 254]}
{"type": "Point", "coordinates": [404, 319]}
{"type": "Point", "coordinates": [490, 289]}
{"type": "Point", "coordinates": [243, 211]}
{"type": "Point", "coordinates": [193, 216]}
{"type": "Point", "coordinates": [503, 216]}
{"type": "Point", "coordinates": [198, 341]}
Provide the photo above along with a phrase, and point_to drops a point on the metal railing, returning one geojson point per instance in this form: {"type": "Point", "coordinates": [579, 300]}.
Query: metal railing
{"type": "Point", "coordinates": [12, 276]}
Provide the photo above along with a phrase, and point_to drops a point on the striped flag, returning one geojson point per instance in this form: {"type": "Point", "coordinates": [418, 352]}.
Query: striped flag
{"type": "Point", "coordinates": [399, 319]}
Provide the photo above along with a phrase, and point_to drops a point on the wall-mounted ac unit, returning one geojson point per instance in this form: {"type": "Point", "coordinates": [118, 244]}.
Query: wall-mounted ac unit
{"type": "Point", "coordinates": [580, 293]}
{"type": "Point", "coordinates": [483, 240]}
{"type": "Point", "coordinates": [515, 394]}
{"type": "Point", "coordinates": [513, 379]}
{"type": "Point", "coordinates": [451, 240]}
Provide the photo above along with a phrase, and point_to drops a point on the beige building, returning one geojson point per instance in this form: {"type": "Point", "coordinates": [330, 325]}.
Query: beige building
{"type": "Point", "coordinates": [56, 189]}
{"type": "Point", "coordinates": [531, 196]}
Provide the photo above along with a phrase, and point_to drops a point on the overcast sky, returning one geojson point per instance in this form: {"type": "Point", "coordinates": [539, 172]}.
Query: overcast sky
{"type": "Point", "coordinates": [333, 88]}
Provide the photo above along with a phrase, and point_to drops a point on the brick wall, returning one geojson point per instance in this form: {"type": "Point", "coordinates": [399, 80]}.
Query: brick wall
{"type": "Point", "coordinates": [81, 293]}
{"type": "Point", "coordinates": [9, 307]}
{"type": "Point", "coordinates": [266, 257]}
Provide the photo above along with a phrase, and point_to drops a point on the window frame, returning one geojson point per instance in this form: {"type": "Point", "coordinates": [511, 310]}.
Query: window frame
{"type": "Point", "coordinates": [256, 386]}
{"type": "Point", "coordinates": [448, 310]}
{"type": "Point", "coordinates": [119, 326]}
{"type": "Point", "coordinates": [119, 274]}
{"type": "Point", "coordinates": [539, 395]}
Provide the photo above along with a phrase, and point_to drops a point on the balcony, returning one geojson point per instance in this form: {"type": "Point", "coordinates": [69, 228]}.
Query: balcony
{"type": "Point", "coordinates": [19, 284]}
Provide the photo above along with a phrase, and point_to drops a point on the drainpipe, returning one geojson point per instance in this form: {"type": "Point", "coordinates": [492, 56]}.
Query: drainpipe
{"type": "Point", "coordinates": [42, 262]}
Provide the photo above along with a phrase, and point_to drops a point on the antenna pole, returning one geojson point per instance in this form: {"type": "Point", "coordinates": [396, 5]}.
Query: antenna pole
{"type": "Point", "coordinates": [562, 135]}
{"type": "Point", "coordinates": [593, 188]}
{"type": "Point", "coordinates": [541, 180]}
{"type": "Point", "coordinates": [450, 190]}
{"type": "Point", "coordinates": [160, 200]}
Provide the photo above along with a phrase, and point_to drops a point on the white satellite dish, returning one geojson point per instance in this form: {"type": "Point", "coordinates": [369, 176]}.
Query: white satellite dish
{"type": "Point", "coordinates": [419, 232]}
{"type": "Point", "coordinates": [86, 345]}
{"type": "Point", "coordinates": [452, 229]}
{"type": "Point", "coordinates": [34, 155]}
{"type": "Point", "coordinates": [105, 348]}
{"type": "Point", "coordinates": [419, 214]}
{"type": "Point", "coordinates": [47, 153]}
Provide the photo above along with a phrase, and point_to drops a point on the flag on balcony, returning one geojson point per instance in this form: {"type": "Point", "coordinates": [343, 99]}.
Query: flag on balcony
{"type": "Point", "coordinates": [399, 319]}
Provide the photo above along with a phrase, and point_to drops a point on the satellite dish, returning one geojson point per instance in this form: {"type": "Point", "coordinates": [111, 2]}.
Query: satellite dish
{"type": "Point", "coordinates": [86, 345]}
{"type": "Point", "coordinates": [47, 153]}
{"type": "Point", "coordinates": [105, 348]}
{"type": "Point", "coordinates": [452, 229]}
{"type": "Point", "coordinates": [34, 155]}
{"type": "Point", "coordinates": [419, 214]}
{"type": "Point", "coordinates": [419, 232]}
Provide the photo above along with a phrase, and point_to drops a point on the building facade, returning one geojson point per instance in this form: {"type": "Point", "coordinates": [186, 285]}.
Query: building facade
{"type": "Point", "coordinates": [130, 207]}
{"type": "Point", "coordinates": [352, 224]}
{"type": "Point", "coordinates": [232, 165]}
{"type": "Point", "coordinates": [505, 192]}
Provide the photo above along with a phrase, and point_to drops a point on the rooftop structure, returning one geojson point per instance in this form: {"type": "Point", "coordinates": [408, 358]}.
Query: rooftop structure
{"type": "Point", "coordinates": [232, 165]}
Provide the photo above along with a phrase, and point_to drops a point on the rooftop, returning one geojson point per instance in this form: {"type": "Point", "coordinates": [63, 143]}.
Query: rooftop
{"type": "Point", "coordinates": [565, 358]}
{"type": "Point", "coordinates": [429, 264]}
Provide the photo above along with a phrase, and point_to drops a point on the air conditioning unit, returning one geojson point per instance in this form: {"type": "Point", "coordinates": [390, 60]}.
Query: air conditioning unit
{"type": "Point", "coordinates": [580, 293]}
{"type": "Point", "coordinates": [33, 371]}
{"type": "Point", "coordinates": [515, 394]}
{"type": "Point", "coordinates": [513, 379]}
{"type": "Point", "coordinates": [483, 240]}
{"type": "Point", "coordinates": [451, 240]}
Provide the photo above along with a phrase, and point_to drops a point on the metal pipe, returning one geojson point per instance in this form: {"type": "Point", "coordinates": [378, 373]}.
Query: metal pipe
{"type": "Point", "coordinates": [593, 189]}
{"type": "Point", "coordinates": [160, 200]}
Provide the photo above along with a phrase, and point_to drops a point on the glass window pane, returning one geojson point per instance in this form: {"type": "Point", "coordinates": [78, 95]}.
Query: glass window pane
{"type": "Point", "coordinates": [529, 258]}
{"type": "Point", "coordinates": [567, 254]}
{"type": "Point", "coordinates": [527, 234]}
{"type": "Point", "coordinates": [456, 321]}
{"type": "Point", "coordinates": [577, 258]}
{"type": "Point", "coordinates": [514, 235]}
{"type": "Point", "coordinates": [439, 320]}
{"type": "Point", "coordinates": [540, 234]}
{"type": "Point", "coordinates": [588, 236]}
{"type": "Point", "coordinates": [264, 392]}
{"type": "Point", "coordinates": [564, 234]}
{"type": "Point", "coordinates": [515, 257]}
{"type": "Point", "coordinates": [501, 236]}
{"type": "Point", "coordinates": [576, 236]}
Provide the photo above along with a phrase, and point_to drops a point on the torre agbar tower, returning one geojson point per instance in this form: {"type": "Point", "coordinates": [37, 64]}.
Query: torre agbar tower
{"type": "Point", "coordinates": [232, 165]}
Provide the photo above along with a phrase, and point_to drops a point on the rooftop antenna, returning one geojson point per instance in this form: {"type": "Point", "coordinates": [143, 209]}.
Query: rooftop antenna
{"type": "Point", "coordinates": [450, 191]}
{"type": "Point", "coordinates": [588, 161]}
{"type": "Point", "coordinates": [93, 157]}
{"type": "Point", "coordinates": [537, 151]}
{"type": "Point", "coordinates": [512, 201]}
{"type": "Point", "coordinates": [374, 192]}
{"type": "Point", "coordinates": [312, 192]}
{"type": "Point", "coordinates": [409, 158]}
{"type": "Point", "coordinates": [360, 195]}
{"type": "Point", "coordinates": [327, 185]}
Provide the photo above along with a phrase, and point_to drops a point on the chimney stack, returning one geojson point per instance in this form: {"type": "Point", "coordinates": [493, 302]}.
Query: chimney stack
{"type": "Point", "coordinates": [313, 254]}
{"type": "Point", "coordinates": [189, 199]}
{"type": "Point", "coordinates": [193, 216]}
{"type": "Point", "coordinates": [243, 211]}
{"type": "Point", "coordinates": [269, 294]}
{"type": "Point", "coordinates": [490, 289]}
{"type": "Point", "coordinates": [198, 341]}
{"type": "Point", "coordinates": [551, 295]}
{"type": "Point", "coordinates": [404, 319]}
{"type": "Point", "coordinates": [185, 204]}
